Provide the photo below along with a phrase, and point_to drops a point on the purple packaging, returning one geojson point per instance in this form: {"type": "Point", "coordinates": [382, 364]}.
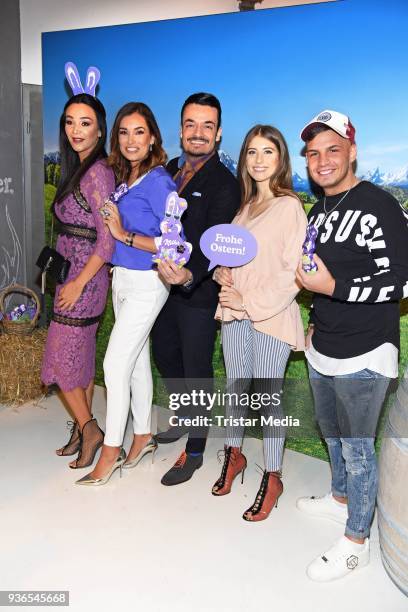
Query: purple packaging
{"type": "Point", "coordinates": [171, 244]}
{"type": "Point", "coordinates": [20, 312]}
{"type": "Point", "coordinates": [119, 192]}
{"type": "Point", "coordinates": [114, 197]}
{"type": "Point", "coordinates": [309, 246]}
{"type": "Point", "coordinates": [31, 311]}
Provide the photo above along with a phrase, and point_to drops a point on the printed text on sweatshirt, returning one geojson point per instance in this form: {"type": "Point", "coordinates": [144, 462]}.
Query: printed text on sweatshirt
{"type": "Point", "coordinates": [364, 244]}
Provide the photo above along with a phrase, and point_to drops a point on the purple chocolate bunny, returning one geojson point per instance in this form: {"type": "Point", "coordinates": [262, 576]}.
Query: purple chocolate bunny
{"type": "Point", "coordinates": [114, 197]}
{"type": "Point", "coordinates": [308, 249]}
{"type": "Point", "coordinates": [171, 245]}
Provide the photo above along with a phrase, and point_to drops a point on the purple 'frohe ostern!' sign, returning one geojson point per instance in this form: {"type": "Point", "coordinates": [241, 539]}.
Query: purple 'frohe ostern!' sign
{"type": "Point", "coordinates": [228, 245]}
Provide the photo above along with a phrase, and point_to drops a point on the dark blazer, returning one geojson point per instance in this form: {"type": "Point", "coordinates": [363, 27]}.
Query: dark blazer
{"type": "Point", "coordinates": [213, 197]}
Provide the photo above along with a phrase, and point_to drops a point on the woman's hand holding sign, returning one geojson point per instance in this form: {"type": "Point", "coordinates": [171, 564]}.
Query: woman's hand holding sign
{"type": "Point", "coordinates": [223, 276]}
{"type": "Point", "coordinates": [230, 246]}
{"type": "Point", "coordinates": [231, 298]}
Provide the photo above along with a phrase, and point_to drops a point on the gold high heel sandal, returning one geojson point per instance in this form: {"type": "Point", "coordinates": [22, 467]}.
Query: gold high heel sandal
{"type": "Point", "coordinates": [88, 480]}
{"type": "Point", "coordinates": [151, 447]}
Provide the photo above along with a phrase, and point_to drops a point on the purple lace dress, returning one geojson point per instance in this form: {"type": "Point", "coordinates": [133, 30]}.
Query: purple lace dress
{"type": "Point", "coordinates": [69, 359]}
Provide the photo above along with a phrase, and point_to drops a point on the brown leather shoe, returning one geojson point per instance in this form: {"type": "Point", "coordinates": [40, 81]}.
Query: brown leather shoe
{"type": "Point", "coordinates": [269, 492]}
{"type": "Point", "coordinates": [234, 463]}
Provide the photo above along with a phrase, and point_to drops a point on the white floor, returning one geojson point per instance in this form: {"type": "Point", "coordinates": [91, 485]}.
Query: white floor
{"type": "Point", "coordinates": [135, 544]}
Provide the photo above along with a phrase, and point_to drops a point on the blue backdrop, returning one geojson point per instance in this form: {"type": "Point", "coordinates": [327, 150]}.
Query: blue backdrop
{"type": "Point", "coordinates": [278, 66]}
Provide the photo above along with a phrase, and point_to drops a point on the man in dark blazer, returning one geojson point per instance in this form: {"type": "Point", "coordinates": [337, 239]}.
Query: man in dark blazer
{"type": "Point", "coordinates": [183, 336]}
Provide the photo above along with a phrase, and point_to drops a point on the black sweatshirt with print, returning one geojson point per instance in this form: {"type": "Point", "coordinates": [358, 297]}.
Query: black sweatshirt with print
{"type": "Point", "coordinates": [364, 244]}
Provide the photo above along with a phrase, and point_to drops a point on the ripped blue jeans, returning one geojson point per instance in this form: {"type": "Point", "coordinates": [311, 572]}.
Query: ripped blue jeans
{"type": "Point", "coordinates": [347, 409]}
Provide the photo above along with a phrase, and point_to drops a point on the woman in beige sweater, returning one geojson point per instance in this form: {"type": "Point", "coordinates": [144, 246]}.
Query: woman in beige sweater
{"type": "Point", "coordinates": [262, 320]}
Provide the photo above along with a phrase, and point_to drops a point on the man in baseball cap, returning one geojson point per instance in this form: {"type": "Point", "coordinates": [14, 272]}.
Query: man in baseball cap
{"type": "Point", "coordinates": [335, 121]}
{"type": "Point", "coordinates": [353, 336]}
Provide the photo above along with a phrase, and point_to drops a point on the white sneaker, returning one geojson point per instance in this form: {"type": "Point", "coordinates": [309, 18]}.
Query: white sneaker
{"type": "Point", "coordinates": [325, 507]}
{"type": "Point", "coordinates": [340, 560]}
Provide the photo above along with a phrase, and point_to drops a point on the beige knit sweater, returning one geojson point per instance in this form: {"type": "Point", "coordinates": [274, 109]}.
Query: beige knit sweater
{"type": "Point", "coordinates": [268, 283]}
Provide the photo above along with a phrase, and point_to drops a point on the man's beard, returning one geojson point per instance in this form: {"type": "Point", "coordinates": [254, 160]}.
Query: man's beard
{"type": "Point", "coordinates": [194, 153]}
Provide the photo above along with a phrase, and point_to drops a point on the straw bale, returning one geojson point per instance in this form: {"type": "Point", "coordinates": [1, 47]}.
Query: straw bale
{"type": "Point", "coordinates": [20, 367]}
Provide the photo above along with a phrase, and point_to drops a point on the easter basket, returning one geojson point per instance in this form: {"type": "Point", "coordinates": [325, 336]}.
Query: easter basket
{"type": "Point", "coordinates": [18, 326]}
{"type": "Point", "coordinates": [21, 351]}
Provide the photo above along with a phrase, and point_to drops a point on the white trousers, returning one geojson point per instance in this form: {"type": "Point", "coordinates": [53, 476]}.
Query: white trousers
{"type": "Point", "coordinates": [138, 296]}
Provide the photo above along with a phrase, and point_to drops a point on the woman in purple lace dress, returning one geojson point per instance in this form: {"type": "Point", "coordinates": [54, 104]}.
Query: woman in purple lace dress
{"type": "Point", "coordinates": [86, 182]}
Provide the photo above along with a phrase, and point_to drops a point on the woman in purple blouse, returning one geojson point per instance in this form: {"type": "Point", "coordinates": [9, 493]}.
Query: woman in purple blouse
{"type": "Point", "coordinates": [138, 293]}
{"type": "Point", "coordinates": [86, 182]}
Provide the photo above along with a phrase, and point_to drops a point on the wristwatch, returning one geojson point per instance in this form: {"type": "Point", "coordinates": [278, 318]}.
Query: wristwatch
{"type": "Point", "coordinates": [188, 283]}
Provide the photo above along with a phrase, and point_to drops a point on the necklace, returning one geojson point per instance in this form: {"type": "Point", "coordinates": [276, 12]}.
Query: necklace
{"type": "Point", "coordinates": [312, 232]}
{"type": "Point", "coordinates": [327, 212]}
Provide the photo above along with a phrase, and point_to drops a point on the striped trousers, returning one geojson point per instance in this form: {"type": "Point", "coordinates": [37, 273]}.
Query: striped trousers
{"type": "Point", "coordinates": [252, 356]}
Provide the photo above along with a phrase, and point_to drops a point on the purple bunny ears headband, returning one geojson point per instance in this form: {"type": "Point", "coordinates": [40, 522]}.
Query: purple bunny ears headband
{"type": "Point", "coordinates": [92, 79]}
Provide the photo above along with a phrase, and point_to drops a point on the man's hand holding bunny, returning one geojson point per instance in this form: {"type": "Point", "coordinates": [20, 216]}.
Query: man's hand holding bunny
{"type": "Point", "coordinates": [172, 274]}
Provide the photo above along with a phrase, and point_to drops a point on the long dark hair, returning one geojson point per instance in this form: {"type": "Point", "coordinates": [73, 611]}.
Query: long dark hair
{"type": "Point", "coordinates": [280, 183]}
{"type": "Point", "coordinates": [72, 170]}
{"type": "Point", "coordinates": [156, 157]}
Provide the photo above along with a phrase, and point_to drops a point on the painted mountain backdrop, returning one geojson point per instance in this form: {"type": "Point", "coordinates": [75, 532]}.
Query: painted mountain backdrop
{"type": "Point", "coordinates": [394, 182]}
{"type": "Point", "coordinates": [395, 179]}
